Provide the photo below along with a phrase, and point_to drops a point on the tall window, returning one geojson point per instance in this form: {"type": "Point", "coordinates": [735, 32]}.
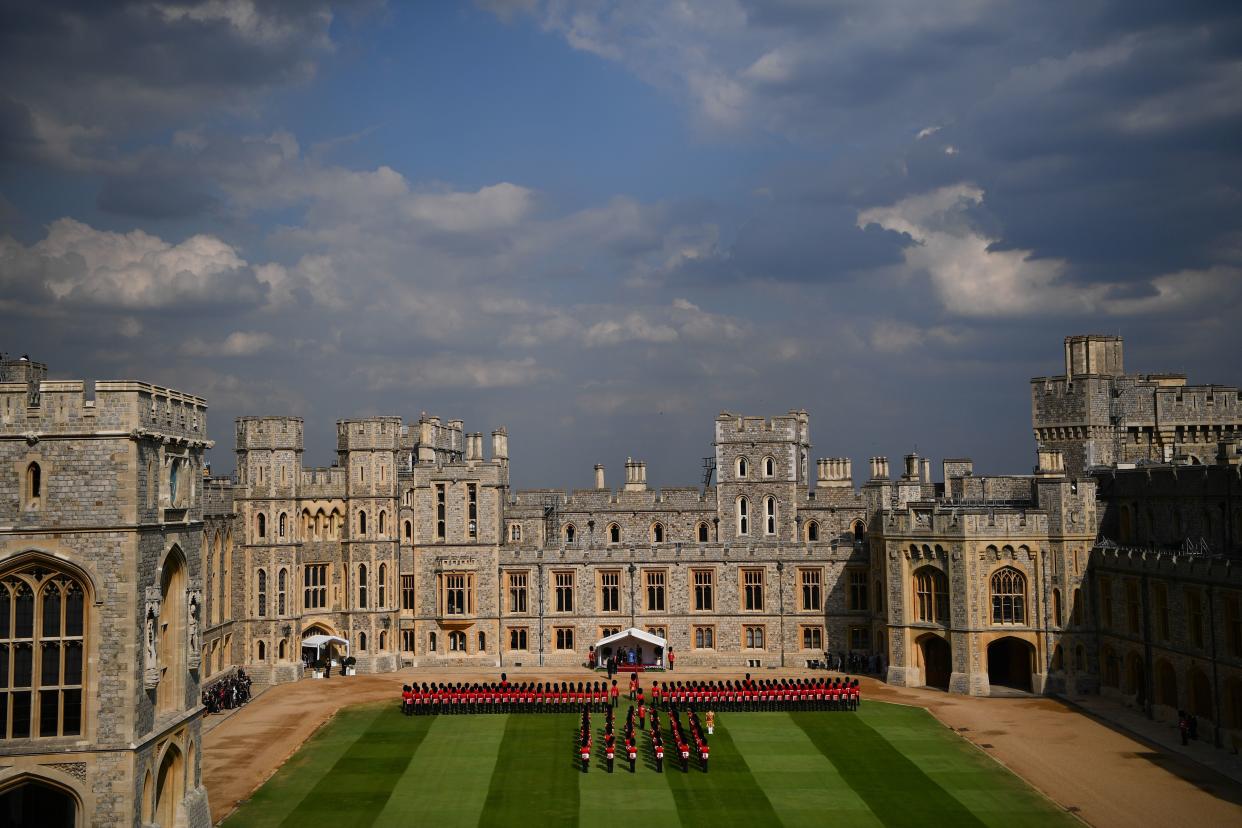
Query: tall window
{"type": "Point", "coordinates": [282, 584]}
{"type": "Point", "coordinates": [517, 592]}
{"type": "Point", "coordinates": [409, 530]}
{"type": "Point", "coordinates": [382, 525]}
{"type": "Point", "coordinates": [262, 593]}
{"type": "Point", "coordinates": [812, 638]}
{"type": "Point", "coordinates": [362, 586]}
{"type": "Point", "coordinates": [517, 638]}
{"type": "Point", "coordinates": [381, 586]}
{"type": "Point", "coordinates": [472, 510]}
{"type": "Point", "coordinates": [515, 532]}
{"type": "Point", "coordinates": [931, 595]}
{"type": "Point", "coordinates": [42, 639]}
{"type": "Point", "coordinates": [753, 637]}
{"type": "Point", "coordinates": [752, 589]}
{"type": "Point", "coordinates": [657, 533]}
{"type": "Point", "coordinates": [610, 591]}
{"type": "Point", "coordinates": [743, 516]}
{"type": "Point", "coordinates": [564, 591]}
{"type": "Point", "coordinates": [440, 511]}
{"type": "Point", "coordinates": [1008, 596]}
{"type": "Point", "coordinates": [811, 583]}
{"type": "Point", "coordinates": [812, 530]}
{"type": "Point", "coordinates": [407, 592]}
{"type": "Point", "coordinates": [261, 525]}
{"type": "Point", "coordinates": [703, 537]}
{"type": "Point", "coordinates": [315, 586]}
{"type": "Point", "coordinates": [457, 641]}
{"type": "Point", "coordinates": [742, 468]}
{"type": "Point", "coordinates": [564, 638]}
{"type": "Point", "coordinates": [858, 590]}
{"type": "Point", "coordinates": [570, 533]}
{"type": "Point", "coordinates": [614, 533]}
{"type": "Point", "coordinates": [362, 523]}
{"type": "Point", "coordinates": [769, 467]}
{"type": "Point", "coordinates": [1057, 616]}
{"type": "Point", "coordinates": [455, 594]}
{"type": "Point", "coordinates": [769, 515]}
{"type": "Point", "coordinates": [704, 588]}
{"type": "Point", "coordinates": [655, 590]}
{"type": "Point", "coordinates": [34, 483]}
{"type": "Point", "coordinates": [284, 524]}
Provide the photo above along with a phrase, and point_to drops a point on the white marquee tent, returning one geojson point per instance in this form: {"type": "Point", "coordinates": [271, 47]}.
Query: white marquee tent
{"type": "Point", "coordinates": [318, 642]}
{"type": "Point", "coordinates": [647, 648]}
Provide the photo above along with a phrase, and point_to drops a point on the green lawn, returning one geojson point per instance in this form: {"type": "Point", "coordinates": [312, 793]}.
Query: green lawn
{"type": "Point", "coordinates": [883, 765]}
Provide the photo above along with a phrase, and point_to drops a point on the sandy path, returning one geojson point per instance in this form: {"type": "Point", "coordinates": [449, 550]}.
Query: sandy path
{"type": "Point", "coordinates": [1105, 777]}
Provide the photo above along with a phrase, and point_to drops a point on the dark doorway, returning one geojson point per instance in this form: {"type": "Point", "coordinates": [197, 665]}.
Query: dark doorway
{"type": "Point", "coordinates": [937, 661]}
{"type": "Point", "coordinates": [31, 804]}
{"type": "Point", "coordinates": [1009, 663]}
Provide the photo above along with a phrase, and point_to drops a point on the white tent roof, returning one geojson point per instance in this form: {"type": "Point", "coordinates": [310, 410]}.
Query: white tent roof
{"type": "Point", "coordinates": [318, 641]}
{"type": "Point", "coordinates": [632, 632]}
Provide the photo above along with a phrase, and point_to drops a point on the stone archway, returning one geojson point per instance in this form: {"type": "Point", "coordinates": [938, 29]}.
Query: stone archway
{"type": "Point", "coordinates": [169, 787]}
{"type": "Point", "coordinates": [1011, 663]}
{"type": "Point", "coordinates": [33, 803]}
{"type": "Point", "coordinates": [936, 660]}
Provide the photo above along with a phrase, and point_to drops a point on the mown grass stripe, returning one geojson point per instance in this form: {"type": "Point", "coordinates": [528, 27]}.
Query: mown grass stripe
{"type": "Point", "coordinates": [637, 800]}
{"type": "Point", "coordinates": [355, 789]}
{"type": "Point", "coordinates": [802, 785]}
{"type": "Point", "coordinates": [726, 795]}
{"type": "Point", "coordinates": [536, 774]}
{"type": "Point", "coordinates": [969, 775]}
{"type": "Point", "coordinates": [894, 788]}
{"type": "Point", "coordinates": [447, 780]}
{"type": "Point", "coordinates": [280, 795]}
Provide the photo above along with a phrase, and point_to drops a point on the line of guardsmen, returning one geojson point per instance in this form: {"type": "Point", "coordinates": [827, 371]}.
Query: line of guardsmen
{"type": "Point", "coordinates": [746, 694]}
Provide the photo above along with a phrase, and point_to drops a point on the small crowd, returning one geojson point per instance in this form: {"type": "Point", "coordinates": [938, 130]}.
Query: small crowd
{"type": "Point", "coordinates": [227, 692]}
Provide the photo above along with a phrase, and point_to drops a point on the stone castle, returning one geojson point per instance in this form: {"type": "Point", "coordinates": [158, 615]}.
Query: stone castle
{"type": "Point", "coordinates": [1104, 570]}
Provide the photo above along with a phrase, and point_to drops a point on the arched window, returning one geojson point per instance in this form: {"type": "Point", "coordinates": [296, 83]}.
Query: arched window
{"type": "Point", "coordinates": [262, 651]}
{"type": "Point", "coordinates": [812, 530]}
{"type": "Point", "coordinates": [409, 530]}
{"type": "Point", "coordinates": [261, 525]}
{"type": "Point", "coordinates": [334, 524]}
{"type": "Point", "coordinates": [570, 533]}
{"type": "Point", "coordinates": [1076, 610]}
{"type": "Point", "coordinates": [931, 595]}
{"type": "Point", "coordinates": [381, 586]}
{"type": "Point", "coordinates": [860, 531]}
{"type": "Point", "coordinates": [362, 586]}
{"type": "Point", "coordinates": [171, 639]}
{"type": "Point", "coordinates": [515, 532]}
{"type": "Point", "coordinates": [457, 641]}
{"type": "Point", "coordinates": [383, 519]}
{"type": "Point", "coordinates": [282, 584]}
{"type": "Point", "coordinates": [34, 482]}
{"type": "Point", "coordinates": [280, 649]}
{"type": "Point", "coordinates": [769, 467]}
{"type": "Point", "coordinates": [614, 533]}
{"type": "Point", "coordinates": [362, 642]}
{"type": "Point", "coordinates": [482, 641]}
{"type": "Point", "coordinates": [703, 537]}
{"type": "Point", "coordinates": [1008, 596]}
{"type": "Point", "coordinates": [657, 533]}
{"type": "Point", "coordinates": [743, 516]}
{"type": "Point", "coordinates": [769, 515]}
{"type": "Point", "coordinates": [362, 523]}
{"type": "Point", "coordinates": [283, 521]}
{"type": "Point", "coordinates": [1057, 617]}
{"type": "Point", "coordinates": [431, 642]}
{"type": "Point", "coordinates": [174, 481]}
{"type": "Point", "coordinates": [42, 653]}
{"type": "Point", "coordinates": [742, 468]}
{"type": "Point", "coordinates": [383, 640]}
{"type": "Point", "coordinates": [262, 593]}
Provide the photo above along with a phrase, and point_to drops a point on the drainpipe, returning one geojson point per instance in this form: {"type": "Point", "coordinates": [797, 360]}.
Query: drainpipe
{"type": "Point", "coordinates": [539, 572]}
{"type": "Point", "coordinates": [1216, 740]}
{"type": "Point", "coordinates": [1148, 686]}
{"type": "Point", "coordinates": [780, 582]}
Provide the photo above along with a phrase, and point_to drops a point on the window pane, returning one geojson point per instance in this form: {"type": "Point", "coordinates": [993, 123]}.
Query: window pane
{"type": "Point", "coordinates": [49, 713]}
{"type": "Point", "coordinates": [21, 715]}
{"type": "Point", "coordinates": [24, 617]}
{"type": "Point", "coordinates": [4, 671]}
{"type": "Point", "coordinates": [73, 663]}
{"type": "Point", "coordinates": [5, 610]}
{"type": "Point", "coordinates": [74, 611]}
{"type": "Point", "coordinates": [49, 675]}
{"type": "Point", "coordinates": [22, 668]}
{"type": "Point", "coordinates": [73, 712]}
{"type": "Point", "coordinates": [51, 611]}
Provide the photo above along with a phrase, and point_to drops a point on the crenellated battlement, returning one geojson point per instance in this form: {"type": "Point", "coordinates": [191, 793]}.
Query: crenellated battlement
{"type": "Point", "coordinates": [65, 408]}
{"type": "Point", "coordinates": [370, 434]}
{"type": "Point", "coordinates": [269, 433]}
{"type": "Point", "coordinates": [732, 428]}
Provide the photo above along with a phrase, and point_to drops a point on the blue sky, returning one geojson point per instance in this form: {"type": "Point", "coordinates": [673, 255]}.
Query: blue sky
{"type": "Point", "coordinates": [601, 223]}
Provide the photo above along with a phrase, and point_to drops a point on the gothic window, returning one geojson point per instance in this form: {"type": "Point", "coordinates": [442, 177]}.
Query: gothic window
{"type": "Point", "coordinates": [517, 592]}
{"type": "Point", "coordinates": [811, 583]}
{"type": "Point", "coordinates": [769, 467]}
{"type": "Point", "coordinates": [741, 468]}
{"type": "Point", "coordinates": [381, 586]}
{"type": "Point", "coordinates": [1008, 596]}
{"type": "Point", "coordinates": [570, 532]}
{"type": "Point", "coordinates": [409, 530]}
{"type": "Point", "coordinates": [752, 590]}
{"type": "Point", "coordinates": [42, 643]}
{"type": "Point", "coordinates": [283, 524]}
{"type": "Point", "coordinates": [655, 590]}
{"type": "Point", "coordinates": [564, 591]}
{"type": "Point", "coordinates": [515, 532]}
{"type": "Point", "coordinates": [769, 514]}
{"type": "Point", "coordinates": [457, 641]}
{"type": "Point", "coordinates": [315, 586]}
{"type": "Point", "coordinates": [704, 587]}
{"type": "Point", "coordinates": [34, 483]}
{"type": "Point", "coordinates": [931, 596]}
{"type": "Point", "coordinates": [610, 591]}
{"type": "Point", "coordinates": [261, 647]}
{"type": "Point", "coordinates": [743, 516]}
{"type": "Point", "coordinates": [472, 510]}
{"type": "Point", "coordinates": [362, 642]}
{"type": "Point", "coordinates": [383, 520]}
{"type": "Point", "coordinates": [261, 525]}
{"type": "Point", "coordinates": [703, 538]}
{"type": "Point", "coordinates": [362, 523]}
{"type": "Point", "coordinates": [657, 533]}
{"type": "Point", "coordinates": [812, 530]}
{"type": "Point", "coordinates": [362, 586]}
{"type": "Point", "coordinates": [614, 533]}
{"type": "Point", "coordinates": [482, 641]}
{"type": "Point", "coordinates": [1057, 617]}
{"type": "Point", "coordinates": [441, 511]}
{"type": "Point", "coordinates": [282, 584]}
{"type": "Point", "coordinates": [262, 593]}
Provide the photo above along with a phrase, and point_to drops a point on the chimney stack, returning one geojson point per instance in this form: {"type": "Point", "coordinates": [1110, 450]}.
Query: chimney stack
{"type": "Point", "coordinates": [500, 444]}
{"type": "Point", "coordinates": [599, 476]}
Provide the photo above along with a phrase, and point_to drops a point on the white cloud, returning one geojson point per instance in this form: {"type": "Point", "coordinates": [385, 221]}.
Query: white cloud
{"type": "Point", "coordinates": [449, 370]}
{"type": "Point", "coordinates": [236, 344]}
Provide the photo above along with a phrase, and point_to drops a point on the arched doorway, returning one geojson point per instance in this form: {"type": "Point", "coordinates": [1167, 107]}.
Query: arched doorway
{"type": "Point", "coordinates": [1010, 663]}
{"type": "Point", "coordinates": [936, 659]}
{"type": "Point", "coordinates": [170, 787]}
{"type": "Point", "coordinates": [33, 804]}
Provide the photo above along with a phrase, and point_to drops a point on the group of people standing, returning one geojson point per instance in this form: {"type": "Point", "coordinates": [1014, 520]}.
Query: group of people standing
{"type": "Point", "coordinates": [227, 693]}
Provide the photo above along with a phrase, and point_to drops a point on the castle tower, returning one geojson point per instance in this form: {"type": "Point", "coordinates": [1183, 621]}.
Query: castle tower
{"type": "Point", "coordinates": [760, 464]}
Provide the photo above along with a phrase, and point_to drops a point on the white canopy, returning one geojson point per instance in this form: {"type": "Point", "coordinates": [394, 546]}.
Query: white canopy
{"type": "Point", "coordinates": [319, 641]}
{"type": "Point", "coordinates": [648, 648]}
